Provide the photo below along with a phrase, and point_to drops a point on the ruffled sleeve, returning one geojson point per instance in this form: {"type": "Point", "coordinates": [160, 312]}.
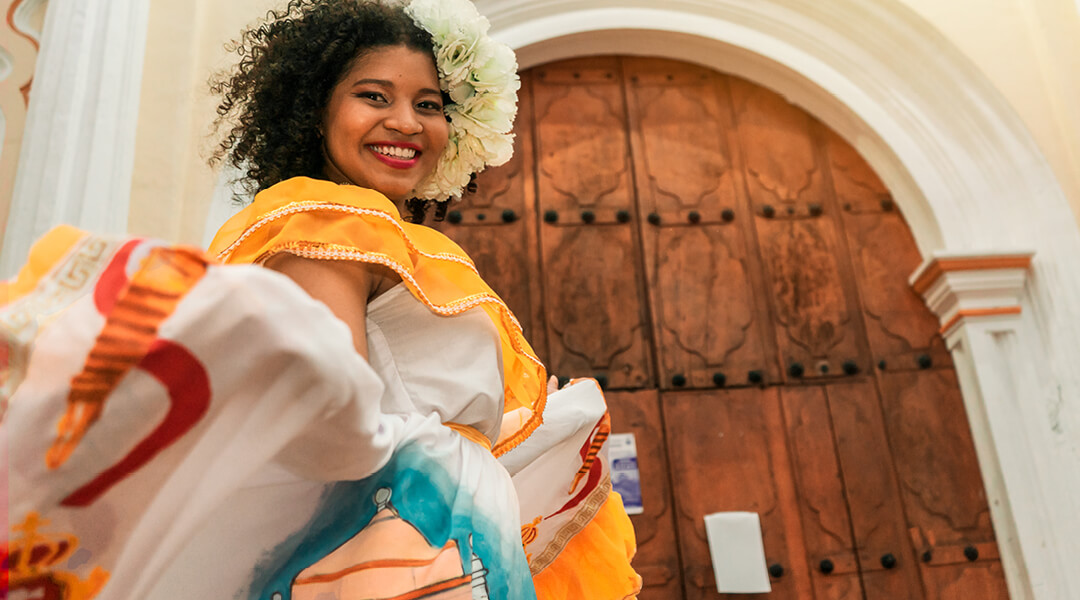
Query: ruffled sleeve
{"type": "Point", "coordinates": [323, 220]}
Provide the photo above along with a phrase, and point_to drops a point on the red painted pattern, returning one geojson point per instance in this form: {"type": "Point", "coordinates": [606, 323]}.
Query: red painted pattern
{"type": "Point", "coordinates": [189, 398]}
{"type": "Point", "coordinates": [113, 279]}
{"type": "Point", "coordinates": [174, 366]}
{"type": "Point", "coordinates": [595, 473]}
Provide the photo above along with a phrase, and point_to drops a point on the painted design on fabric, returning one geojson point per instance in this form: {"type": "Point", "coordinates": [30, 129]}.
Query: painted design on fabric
{"type": "Point", "coordinates": [600, 434]}
{"type": "Point", "coordinates": [529, 533]}
{"type": "Point", "coordinates": [32, 566]}
{"type": "Point", "coordinates": [414, 569]}
{"type": "Point", "coordinates": [581, 519]}
{"type": "Point", "coordinates": [134, 308]}
{"type": "Point", "coordinates": [54, 289]}
{"type": "Point", "coordinates": [442, 546]}
{"type": "Point", "coordinates": [587, 501]}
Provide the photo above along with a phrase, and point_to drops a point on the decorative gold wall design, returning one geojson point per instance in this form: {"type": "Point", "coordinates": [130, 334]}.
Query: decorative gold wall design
{"type": "Point", "coordinates": [20, 40]}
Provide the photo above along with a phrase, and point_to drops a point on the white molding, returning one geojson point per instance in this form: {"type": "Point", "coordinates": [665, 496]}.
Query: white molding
{"type": "Point", "coordinates": [78, 151]}
{"type": "Point", "coordinates": [976, 292]}
{"type": "Point", "coordinates": [967, 176]}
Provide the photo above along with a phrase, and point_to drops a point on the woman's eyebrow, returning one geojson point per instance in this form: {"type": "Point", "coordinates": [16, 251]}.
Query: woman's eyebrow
{"type": "Point", "coordinates": [390, 84]}
{"type": "Point", "coordinates": [382, 82]}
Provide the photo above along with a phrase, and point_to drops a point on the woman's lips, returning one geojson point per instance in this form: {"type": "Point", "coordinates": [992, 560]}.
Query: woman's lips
{"type": "Point", "coordinates": [393, 161]}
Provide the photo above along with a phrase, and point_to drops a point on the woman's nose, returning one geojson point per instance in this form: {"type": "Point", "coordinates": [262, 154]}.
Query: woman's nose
{"type": "Point", "coordinates": [404, 120]}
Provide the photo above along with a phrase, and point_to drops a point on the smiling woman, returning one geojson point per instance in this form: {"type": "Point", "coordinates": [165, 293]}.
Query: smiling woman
{"type": "Point", "coordinates": [403, 443]}
{"type": "Point", "coordinates": [384, 127]}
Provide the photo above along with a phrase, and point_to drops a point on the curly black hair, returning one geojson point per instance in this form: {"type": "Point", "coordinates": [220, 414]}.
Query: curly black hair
{"type": "Point", "coordinates": [274, 98]}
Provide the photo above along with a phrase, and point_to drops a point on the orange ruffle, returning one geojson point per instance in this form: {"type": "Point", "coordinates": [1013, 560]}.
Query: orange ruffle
{"type": "Point", "coordinates": [595, 564]}
{"type": "Point", "coordinates": [44, 256]}
{"type": "Point", "coordinates": [324, 220]}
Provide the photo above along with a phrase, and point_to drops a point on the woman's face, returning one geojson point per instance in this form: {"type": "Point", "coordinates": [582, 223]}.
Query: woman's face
{"type": "Point", "coordinates": [384, 126]}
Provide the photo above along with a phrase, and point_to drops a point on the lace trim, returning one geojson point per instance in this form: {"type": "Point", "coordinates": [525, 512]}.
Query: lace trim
{"type": "Point", "coordinates": [311, 206]}
{"type": "Point", "coordinates": [585, 514]}
{"type": "Point", "coordinates": [322, 251]}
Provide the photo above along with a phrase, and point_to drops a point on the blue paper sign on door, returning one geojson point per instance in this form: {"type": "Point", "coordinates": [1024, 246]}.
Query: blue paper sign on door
{"type": "Point", "coordinates": [625, 477]}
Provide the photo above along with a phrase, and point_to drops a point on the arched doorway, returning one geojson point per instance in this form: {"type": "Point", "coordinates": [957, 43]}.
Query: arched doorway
{"type": "Point", "coordinates": [735, 275]}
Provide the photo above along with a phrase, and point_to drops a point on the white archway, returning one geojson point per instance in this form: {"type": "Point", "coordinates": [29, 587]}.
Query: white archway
{"type": "Point", "coordinates": [970, 181]}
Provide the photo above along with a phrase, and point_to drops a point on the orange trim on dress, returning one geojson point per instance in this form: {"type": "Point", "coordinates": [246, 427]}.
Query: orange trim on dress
{"type": "Point", "coordinates": [45, 255]}
{"type": "Point", "coordinates": [382, 563]}
{"type": "Point", "coordinates": [471, 433]}
{"type": "Point", "coordinates": [323, 220]}
{"type": "Point", "coordinates": [606, 545]}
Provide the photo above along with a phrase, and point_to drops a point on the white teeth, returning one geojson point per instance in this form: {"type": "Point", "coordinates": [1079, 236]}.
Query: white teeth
{"type": "Point", "coordinates": [395, 151]}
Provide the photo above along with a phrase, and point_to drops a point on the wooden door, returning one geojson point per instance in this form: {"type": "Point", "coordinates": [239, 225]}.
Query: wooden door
{"type": "Point", "coordinates": [734, 274]}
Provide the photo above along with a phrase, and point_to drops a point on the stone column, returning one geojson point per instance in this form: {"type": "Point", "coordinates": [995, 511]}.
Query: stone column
{"type": "Point", "coordinates": [979, 299]}
{"type": "Point", "coordinates": [75, 164]}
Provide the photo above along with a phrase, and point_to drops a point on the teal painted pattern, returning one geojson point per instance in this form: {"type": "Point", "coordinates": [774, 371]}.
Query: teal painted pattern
{"type": "Point", "coordinates": [425, 495]}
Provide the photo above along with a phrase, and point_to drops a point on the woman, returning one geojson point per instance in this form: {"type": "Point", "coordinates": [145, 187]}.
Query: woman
{"type": "Point", "coordinates": [312, 471]}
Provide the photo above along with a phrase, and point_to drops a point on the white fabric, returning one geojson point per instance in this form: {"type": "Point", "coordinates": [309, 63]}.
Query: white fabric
{"type": "Point", "coordinates": [449, 366]}
{"type": "Point", "coordinates": [299, 398]}
{"type": "Point", "coordinates": [295, 418]}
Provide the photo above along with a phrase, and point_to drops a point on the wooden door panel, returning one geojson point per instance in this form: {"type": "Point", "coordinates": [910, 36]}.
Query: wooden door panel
{"type": "Point", "coordinates": [503, 244]}
{"type": "Point", "coordinates": [900, 327]}
{"type": "Point", "coordinates": [877, 514]}
{"type": "Point", "coordinates": [596, 319]}
{"type": "Point", "coordinates": [826, 525]}
{"type": "Point", "coordinates": [596, 322]}
{"type": "Point", "coordinates": [583, 161]}
{"type": "Point", "coordinates": [940, 482]}
{"type": "Point", "coordinates": [708, 326]}
{"type": "Point", "coordinates": [815, 304]}
{"type": "Point", "coordinates": [728, 451]}
{"type": "Point", "coordinates": [678, 122]}
{"type": "Point", "coordinates": [657, 559]}
{"type": "Point", "coordinates": [979, 580]}
{"type": "Point", "coordinates": [709, 317]}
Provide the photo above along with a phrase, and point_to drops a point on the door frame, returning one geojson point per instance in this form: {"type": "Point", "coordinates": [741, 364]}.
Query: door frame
{"type": "Point", "coordinates": [971, 183]}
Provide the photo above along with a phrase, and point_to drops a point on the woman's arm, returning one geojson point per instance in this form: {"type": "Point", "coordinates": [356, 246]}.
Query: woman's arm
{"type": "Point", "coordinates": [344, 286]}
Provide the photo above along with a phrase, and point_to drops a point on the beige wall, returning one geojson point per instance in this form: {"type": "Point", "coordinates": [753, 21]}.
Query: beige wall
{"type": "Point", "coordinates": [186, 42]}
{"type": "Point", "coordinates": [1029, 49]}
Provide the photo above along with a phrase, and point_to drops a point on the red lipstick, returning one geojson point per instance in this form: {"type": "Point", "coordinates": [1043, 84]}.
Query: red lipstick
{"type": "Point", "coordinates": [393, 161]}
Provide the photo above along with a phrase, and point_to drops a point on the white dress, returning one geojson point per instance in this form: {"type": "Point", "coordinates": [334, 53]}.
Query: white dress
{"type": "Point", "coordinates": [267, 460]}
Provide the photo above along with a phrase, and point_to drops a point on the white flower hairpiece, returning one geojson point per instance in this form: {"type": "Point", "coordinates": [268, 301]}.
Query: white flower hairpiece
{"type": "Point", "coordinates": [480, 76]}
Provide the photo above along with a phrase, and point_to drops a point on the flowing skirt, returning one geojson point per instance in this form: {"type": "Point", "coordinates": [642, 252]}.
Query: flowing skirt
{"type": "Point", "coordinates": [175, 428]}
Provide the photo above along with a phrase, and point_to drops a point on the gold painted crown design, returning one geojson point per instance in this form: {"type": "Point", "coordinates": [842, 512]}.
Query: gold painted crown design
{"type": "Point", "coordinates": [33, 561]}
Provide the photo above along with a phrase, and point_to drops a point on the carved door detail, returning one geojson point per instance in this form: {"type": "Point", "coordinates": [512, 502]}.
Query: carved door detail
{"type": "Point", "coordinates": [588, 246]}
{"type": "Point", "coordinates": [735, 276]}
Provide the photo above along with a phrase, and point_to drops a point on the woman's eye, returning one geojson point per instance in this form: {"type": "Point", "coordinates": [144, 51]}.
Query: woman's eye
{"type": "Point", "coordinates": [430, 105]}
{"type": "Point", "coordinates": [374, 96]}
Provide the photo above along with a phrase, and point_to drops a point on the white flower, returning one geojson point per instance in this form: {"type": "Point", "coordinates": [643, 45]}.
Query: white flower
{"type": "Point", "coordinates": [498, 149]}
{"type": "Point", "coordinates": [455, 60]}
{"type": "Point", "coordinates": [492, 111]}
{"type": "Point", "coordinates": [448, 19]}
{"type": "Point", "coordinates": [480, 75]}
{"type": "Point", "coordinates": [452, 173]}
{"type": "Point", "coordinates": [498, 72]}
{"type": "Point", "coordinates": [461, 92]}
